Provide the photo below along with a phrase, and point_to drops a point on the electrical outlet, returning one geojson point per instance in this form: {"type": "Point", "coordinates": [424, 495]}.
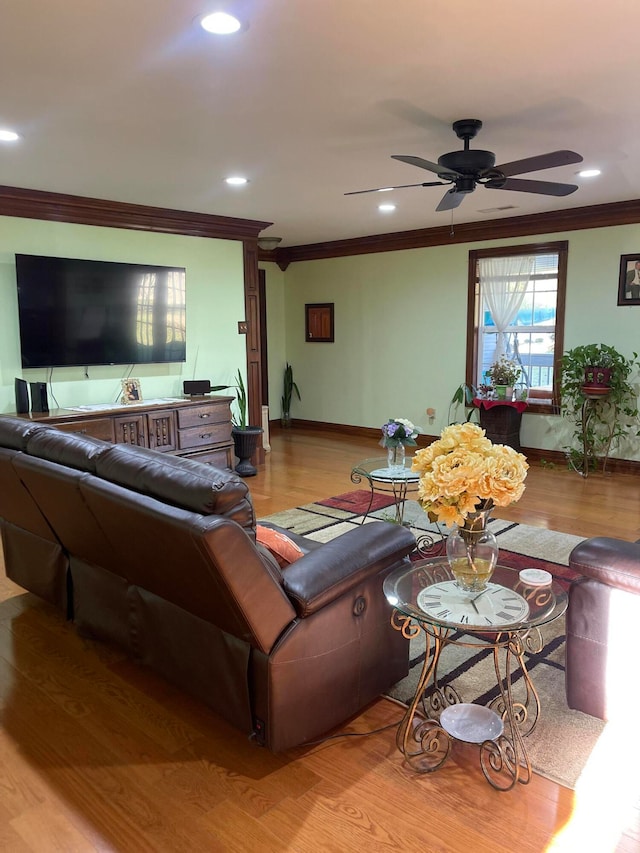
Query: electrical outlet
{"type": "Point", "coordinates": [242, 327]}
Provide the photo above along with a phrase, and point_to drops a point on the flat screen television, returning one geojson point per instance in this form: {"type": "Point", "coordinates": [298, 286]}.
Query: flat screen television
{"type": "Point", "coordinates": [82, 312]}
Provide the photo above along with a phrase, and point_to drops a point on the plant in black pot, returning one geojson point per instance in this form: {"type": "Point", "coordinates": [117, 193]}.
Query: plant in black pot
{"type": "Point", "coordinates": [598, 396]}
{"type": "Point", "coordinates": [245, 437]}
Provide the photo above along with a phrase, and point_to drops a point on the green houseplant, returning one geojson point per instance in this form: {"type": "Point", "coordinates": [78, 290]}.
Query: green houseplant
{"type": "Point", "coordinates": [462, 396]}
{"type": "Point", "coordinates": [287, 395]}
{"type": "Point", "coordinates": [245, 437]}
{"type": "Point", "coordinates": [504, 373]}
{"type": "Point", "coordinates": [602, 414]}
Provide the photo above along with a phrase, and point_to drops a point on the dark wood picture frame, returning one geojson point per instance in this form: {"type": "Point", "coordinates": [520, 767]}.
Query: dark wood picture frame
{"type": "Point", "coordinates": [319, 323]}
{"type": "Point", "coordinates": [629, 280]}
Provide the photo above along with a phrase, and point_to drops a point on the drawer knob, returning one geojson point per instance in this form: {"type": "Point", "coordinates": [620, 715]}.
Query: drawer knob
{"type": "Point", "coordinates": [205, 415]}
{"type": "Point", "coordinates": [206, 435]}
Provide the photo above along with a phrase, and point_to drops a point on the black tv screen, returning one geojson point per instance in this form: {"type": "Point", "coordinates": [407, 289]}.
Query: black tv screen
{"type": "Point", "coordinates": [80, 312]}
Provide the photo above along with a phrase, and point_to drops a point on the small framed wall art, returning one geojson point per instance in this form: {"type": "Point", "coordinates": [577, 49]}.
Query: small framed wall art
{"type": "Point", "coordinates": [131, 391]}
{"type": "Point", "coordinates": [318, 323]}
{"type": "Point", "coordinates": [629, 281]}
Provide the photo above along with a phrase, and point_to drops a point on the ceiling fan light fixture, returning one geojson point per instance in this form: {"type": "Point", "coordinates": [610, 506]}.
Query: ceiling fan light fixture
{"type": "Point", "coordinates": [268, 244]}
{"type": "Point", "coordinates": [589, 173]}
{"type": "Point", "coordinates": [7, 135]}
{"type": "Point", "coordinates": [220, 23]}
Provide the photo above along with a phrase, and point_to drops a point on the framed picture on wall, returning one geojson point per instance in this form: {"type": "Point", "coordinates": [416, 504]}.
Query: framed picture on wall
{"type": "Point", "coordinates": [319, 323]}
{"type": "Point", "coordinates": [131, 391]}
{"type": "Point", "coordinates": [629, 281]}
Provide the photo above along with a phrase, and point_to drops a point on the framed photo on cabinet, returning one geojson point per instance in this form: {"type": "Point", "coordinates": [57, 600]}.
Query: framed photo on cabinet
{"type": "Point", "coordinates": [131, 391]}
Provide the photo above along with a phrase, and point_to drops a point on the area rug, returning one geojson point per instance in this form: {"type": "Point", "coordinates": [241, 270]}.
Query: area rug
{"type": "Point", "coordinates": [560, 746]}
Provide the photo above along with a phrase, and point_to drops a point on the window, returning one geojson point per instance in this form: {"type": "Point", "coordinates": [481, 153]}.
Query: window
{"type": "Point", "coordinates": [516, 307]}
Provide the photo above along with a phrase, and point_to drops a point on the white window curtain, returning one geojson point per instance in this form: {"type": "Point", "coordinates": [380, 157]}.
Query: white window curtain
{"type": "Point", "coordinates": [503, 283]}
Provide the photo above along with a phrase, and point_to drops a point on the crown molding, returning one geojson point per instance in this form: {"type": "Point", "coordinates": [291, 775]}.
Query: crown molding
{"type": "Point", "coordinates": [58, 207]}
{"type": "Point", "coordinates": [572, 219]}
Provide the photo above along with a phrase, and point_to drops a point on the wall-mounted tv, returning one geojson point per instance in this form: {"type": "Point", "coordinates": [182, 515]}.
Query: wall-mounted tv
{"type": "Point", "coordinates": [82, 312]}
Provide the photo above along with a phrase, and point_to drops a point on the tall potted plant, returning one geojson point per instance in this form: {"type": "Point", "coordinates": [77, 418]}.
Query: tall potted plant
{"type": "Point", "coordinates": [288, 388]}
{"type": "Point", "coordinates": [245, 437]}
{"type": "Point", "coordinates": [597, 395]}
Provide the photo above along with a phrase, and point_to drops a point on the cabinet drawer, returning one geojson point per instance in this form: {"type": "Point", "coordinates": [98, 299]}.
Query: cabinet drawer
{"type": "Point", "coordinates": [205, 433]}
{"type": "Point", "coordinates": [97, 428]}
{"type": "Point", "coordinates": [222, 458]}
{"type": "Point", "coordinates": [207, 413]}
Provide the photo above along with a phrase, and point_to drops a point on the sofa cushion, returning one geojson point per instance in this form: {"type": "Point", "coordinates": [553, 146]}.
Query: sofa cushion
{"type": "Point", "coordinates": [181, 482]}
{"type": "Point", "coordinates": [72, 449]}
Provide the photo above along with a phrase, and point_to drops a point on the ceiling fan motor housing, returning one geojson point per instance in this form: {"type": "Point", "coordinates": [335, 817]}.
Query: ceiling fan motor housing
{"type": "Point", "coordinates": [471, 162]}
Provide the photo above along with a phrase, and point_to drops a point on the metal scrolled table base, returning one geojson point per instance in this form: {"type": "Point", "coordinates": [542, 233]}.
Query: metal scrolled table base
{"type": "Point", "coordinates": [426, 745]}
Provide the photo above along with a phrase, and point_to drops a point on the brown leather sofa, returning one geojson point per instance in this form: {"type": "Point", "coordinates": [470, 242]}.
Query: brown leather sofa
{"type": "Point", "coordinates": [158, 555]}
{"type": "Point", "coordinates": [603, 613]}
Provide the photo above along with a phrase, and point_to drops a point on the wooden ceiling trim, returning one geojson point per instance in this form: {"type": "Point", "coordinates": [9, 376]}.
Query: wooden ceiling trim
{"type": "Point", "coordinates": [58, 207]}
{"type": "Point", "coordinates": [574, 219]}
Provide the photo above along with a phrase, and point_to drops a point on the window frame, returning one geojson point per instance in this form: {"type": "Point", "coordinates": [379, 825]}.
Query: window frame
{"type": "Point", "coordinates": [561, 247]}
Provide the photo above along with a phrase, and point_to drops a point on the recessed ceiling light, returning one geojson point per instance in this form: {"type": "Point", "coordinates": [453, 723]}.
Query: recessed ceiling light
{"type": "Point", "coordinates": [220, 23]}
{"type": "Point", "coordinates": [236, 181]}
{"type": "Point", "coordinates": [589, 173]}
{"type": "Point", "coordinates": [386, 208]}
{"type": "Point", "coordinates": [8, 135]}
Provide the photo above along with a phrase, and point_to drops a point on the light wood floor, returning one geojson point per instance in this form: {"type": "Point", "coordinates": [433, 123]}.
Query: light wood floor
{"type": "Point", "coordinates": [98, 754]}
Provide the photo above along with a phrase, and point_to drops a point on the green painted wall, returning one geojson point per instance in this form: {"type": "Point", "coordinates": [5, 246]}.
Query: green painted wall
{"type": "Point", "coordinates": [400, 328]}
{"type": "Point", "coordinates": [215, 303]}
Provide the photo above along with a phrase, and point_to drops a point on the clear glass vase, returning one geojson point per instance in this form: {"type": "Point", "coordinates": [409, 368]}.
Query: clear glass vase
{"type": "Point", "coordinates": [472, 552]}
{"type": "Point", "coordinates": [395, 457]}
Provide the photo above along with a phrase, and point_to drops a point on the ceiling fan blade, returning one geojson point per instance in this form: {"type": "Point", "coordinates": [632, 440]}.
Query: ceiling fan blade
{"type": "Point", "coordinates": [399, 187]}
{"type": "Point", "coordinates": [534, 164]}
{"type": "Point", "coordinates": [424, 164]}
{"type": "Point", "coordinates": [542, 187]}
{"type": "Point", "coordinates": [451, 199]}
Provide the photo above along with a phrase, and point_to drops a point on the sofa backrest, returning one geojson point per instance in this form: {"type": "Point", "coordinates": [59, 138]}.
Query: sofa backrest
{"type": "Point", "coordinates": [15, 432]}
{"type": "Point", "coordinates": [206, 565]}
{"type": "Point", "coordinates": [181, 482]}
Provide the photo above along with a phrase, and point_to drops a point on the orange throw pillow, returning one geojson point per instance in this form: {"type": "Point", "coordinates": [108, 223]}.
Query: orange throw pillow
{"type": "Point", "coordinates": [283, 549]}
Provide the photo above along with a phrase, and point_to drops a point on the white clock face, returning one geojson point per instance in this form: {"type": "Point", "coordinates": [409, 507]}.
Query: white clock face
{"type": "Point", "coordinates": [495, 606]}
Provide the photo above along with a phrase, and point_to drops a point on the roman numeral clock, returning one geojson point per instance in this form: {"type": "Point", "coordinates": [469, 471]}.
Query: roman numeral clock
{"type": "Point", "coordinates": [494, 607]}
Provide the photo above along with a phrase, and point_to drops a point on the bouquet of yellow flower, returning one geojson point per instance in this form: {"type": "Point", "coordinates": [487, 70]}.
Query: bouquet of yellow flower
{"type": "Point", "coordinates": [463, 472]}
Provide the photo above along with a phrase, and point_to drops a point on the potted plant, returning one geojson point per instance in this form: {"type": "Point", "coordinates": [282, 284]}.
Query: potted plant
{"type": "Point", "coordinates": [245, 437]}
{"type": "Point", "coordinates": [504, 374]}
{"type": "Point", "coordinates": [603, 414]}
{"type": "Point", "coordinates": [462, 396]}
{"type": "Point", "coordinates": [287, 395]}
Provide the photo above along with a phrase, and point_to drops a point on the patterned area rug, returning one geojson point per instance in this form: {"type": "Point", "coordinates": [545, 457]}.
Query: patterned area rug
{"type": "Point", "coordinates": [563, 740]}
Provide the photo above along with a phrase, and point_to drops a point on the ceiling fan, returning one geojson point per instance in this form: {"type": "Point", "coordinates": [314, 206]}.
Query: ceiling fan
{"type": "Point", "coordinates": [467, 168]}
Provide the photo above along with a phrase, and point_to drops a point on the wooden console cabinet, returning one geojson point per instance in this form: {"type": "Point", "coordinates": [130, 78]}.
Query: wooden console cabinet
{"type": "Point", "coordinates": [198, 428]}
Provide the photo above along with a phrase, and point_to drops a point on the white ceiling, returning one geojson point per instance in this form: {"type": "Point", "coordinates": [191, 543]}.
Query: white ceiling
{"type": "Point", "coordinates": [130, 100]}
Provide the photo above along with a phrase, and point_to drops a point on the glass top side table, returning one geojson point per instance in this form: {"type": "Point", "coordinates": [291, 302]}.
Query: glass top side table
{"type": "Point", "coordinates": [380, 478]}
{"type": "Point", "coordinates": [506, 619]}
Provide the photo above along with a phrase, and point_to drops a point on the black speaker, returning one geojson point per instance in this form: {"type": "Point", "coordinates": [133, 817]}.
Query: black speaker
{"type": "Point", "coordinates": [22, 396]}
{"type": "Point", "coordinates": [39, 399]}
{"type": "Point", "coordinates": [195, 387]}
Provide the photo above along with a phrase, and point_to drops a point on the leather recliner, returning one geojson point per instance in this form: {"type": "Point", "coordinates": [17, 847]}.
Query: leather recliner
{"type": "Point", "coordinates": [158, 554]}
{"type": "Point", "coordinates": [602, 619]}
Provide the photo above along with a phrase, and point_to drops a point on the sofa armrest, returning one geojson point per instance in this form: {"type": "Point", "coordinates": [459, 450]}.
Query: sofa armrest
{"type": "Point", "coordinates": [326, 573]}
{"type": "Point", "coordinates": [613, 562]}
